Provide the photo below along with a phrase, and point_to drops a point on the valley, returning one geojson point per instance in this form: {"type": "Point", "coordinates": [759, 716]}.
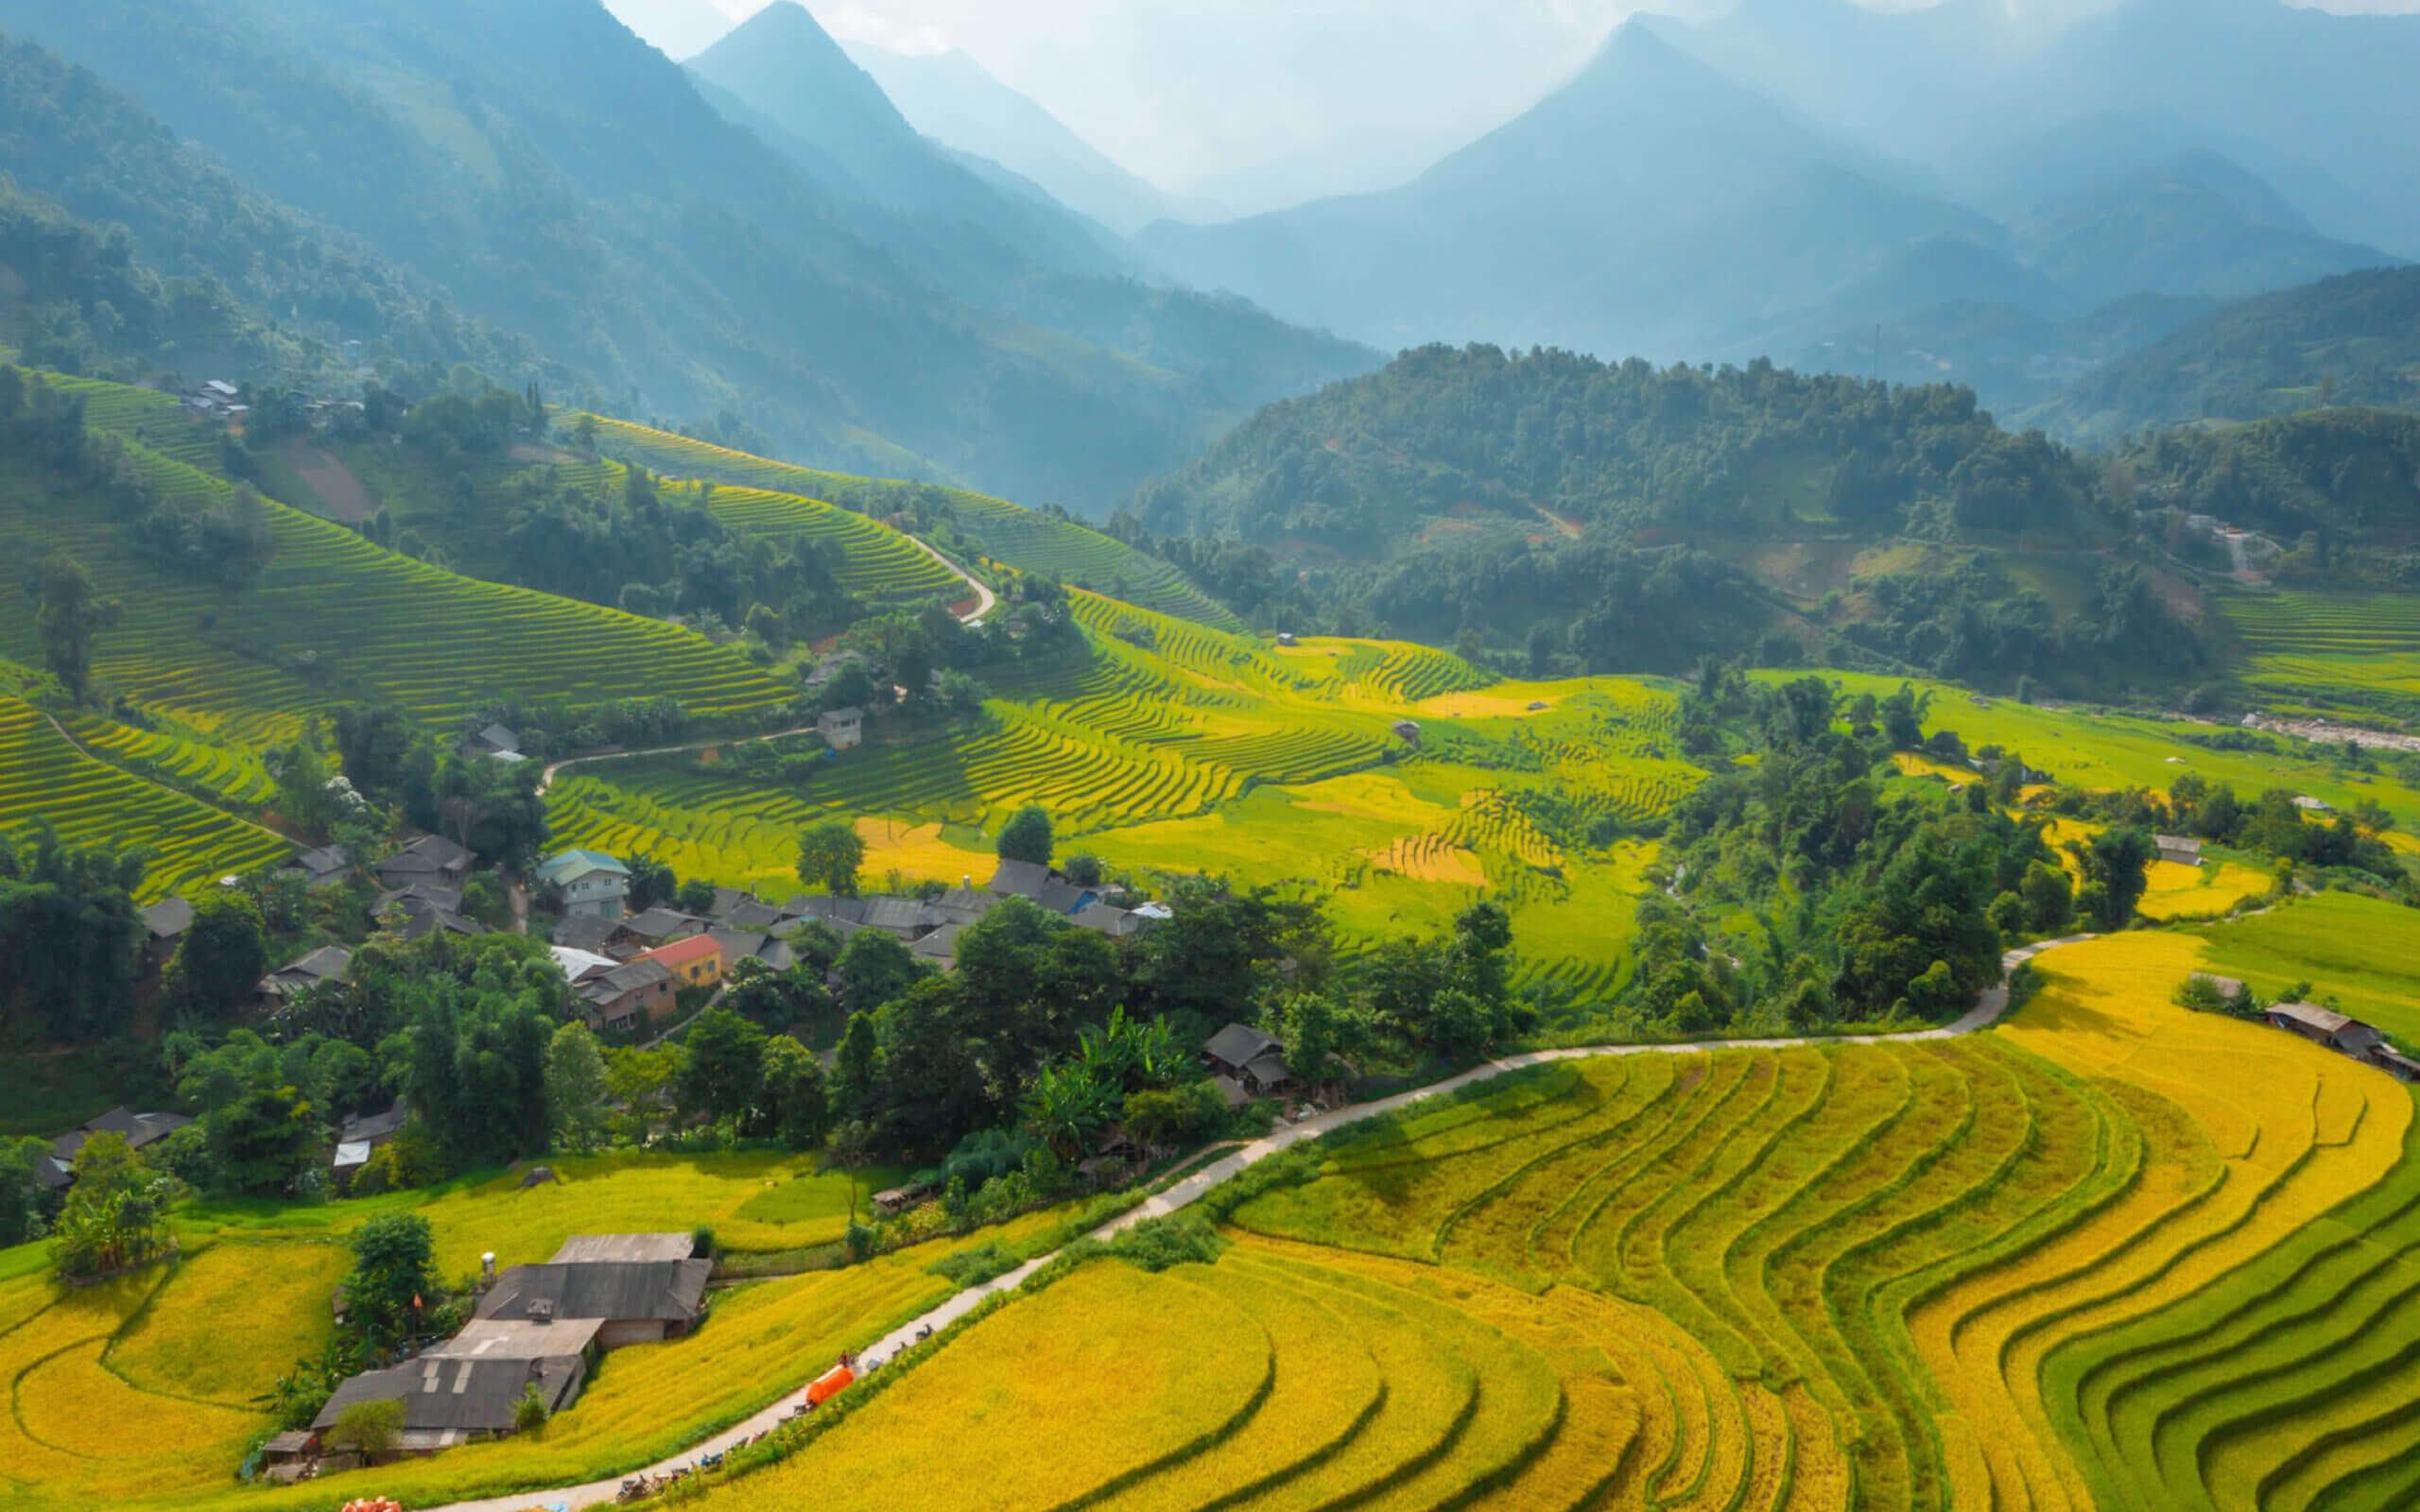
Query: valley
{"type": "Point", "coordinates": [756, 756]}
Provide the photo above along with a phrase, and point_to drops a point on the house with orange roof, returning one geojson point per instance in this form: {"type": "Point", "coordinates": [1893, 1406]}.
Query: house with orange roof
{"type": "Point", "coordinates": [696, 961]}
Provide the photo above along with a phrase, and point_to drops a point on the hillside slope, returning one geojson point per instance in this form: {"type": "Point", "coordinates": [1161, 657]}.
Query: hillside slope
{"type": "Point", "coordinates": [565, 179]}
{"type": "Point", "coordinates": [335, 619]}
{"type": "Point", "coordinates": [2352, 339]}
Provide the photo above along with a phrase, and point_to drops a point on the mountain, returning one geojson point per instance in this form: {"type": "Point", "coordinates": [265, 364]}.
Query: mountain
{"type": "Point", "coordinates": [955, 101]}
{"type": "Point", "coordinates": [2197, 225]}
{"type": "Point", "coordinates": [789, 74]}
{"type": "Point", "coordinates": [677, 29]}
{"type": "Point", "coordinates": [558, 176]}
{"type": "Point", "coordinates": [1649, 205]}
{"type": "Point", "coordinates": [2353, 339]}
{"type": "Point", "coordinates": [217, 242]}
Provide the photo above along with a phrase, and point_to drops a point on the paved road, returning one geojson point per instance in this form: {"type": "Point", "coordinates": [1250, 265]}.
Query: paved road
{"type": "Point", "coordinates": [1986, 1011]}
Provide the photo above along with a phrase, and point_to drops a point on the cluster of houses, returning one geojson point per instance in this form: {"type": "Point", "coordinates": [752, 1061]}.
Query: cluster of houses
{"type": "Point", "coordinates": [55, 1170]}
{"type": "Point", "coordinates": [628, 968]}
{"type": "Point", "coordinates": [542, 1327]}
{"type": "Point", "coordinates": [217, 399]}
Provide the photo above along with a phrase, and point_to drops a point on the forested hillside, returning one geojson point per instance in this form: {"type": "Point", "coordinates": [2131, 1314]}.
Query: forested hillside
{"type": "Point", "coordinates": [2353, 340]}
{"type": "Point", "coordinates": [69, 137]}
{"type": "Point", "coordinates": [1588, 512]}
{"type": "Point", "coordinates": [568, 182]}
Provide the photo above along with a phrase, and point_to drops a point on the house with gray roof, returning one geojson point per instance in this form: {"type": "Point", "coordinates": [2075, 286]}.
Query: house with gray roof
{"type": "Point", "coordinates": [326, 964]}
{"type": "Point", "coordinates": [451, 1398]}
{"type": "Point", "coordinates": [432, 858]}
{"type": "Point", "coordinates": [324, 868]}
{"type": "Point", "coordinates": [631, 994]}
{"type": "Point", "coordinates": [1250, 1058]}
{"type": "Point", "coordinates": [637, 1302]}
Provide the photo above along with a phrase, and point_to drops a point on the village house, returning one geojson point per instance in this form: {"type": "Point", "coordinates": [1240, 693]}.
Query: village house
{"type": "Point", "coordinates": [164, 924]}
{"type": "Point", "coordinates": [592, 883]}
{"type": "Point", "coordinates": [358, 1136]}
{"type": "Point", "coordinates": [581, 932]}
{"type": "Point", "coordinates": [2179, 849]}
{"type": "Point", "coordinates": [577, 965]}
{"type": "Point", "coordinates": [326, 964]}
{"type": "Point", "coordinates": [841, 729]}
{"type": "Point", "coordinates": [1101, 918]}
{"type": "Point", "coordinates": [750, 914]}
{"type": "Point", "coordinates": [637, 935]}
{"type": "Point", "coordinates": [324, 868]}
{"type": "Point", "coordinates": [964, 903]}
{"type": "Point", "coordinates": [432, 858]}
{"type": "Point", "coordinates": [421, 922]}
{"type": "Point", "coordinates": [1042, 886]}
{"type": "Point", "coordinates": [139, 1131]}
{"type": "Point", "coordinates": [1244, 1060]}
{"type": "Point", "coordinates": [457, 1398]}
{"type": "Point", "coordinates": [939, 948]}
{"type": "Point", "coordinates": [739, 945]}
{"type": "Point", "coordinates": [696, 961]}
{"type": "Point", "coordinates": [631, 994]}
{"type": "Point", "coordinates": [844, 916]}
{"type": "Point", "coordinates": [637, 1301]}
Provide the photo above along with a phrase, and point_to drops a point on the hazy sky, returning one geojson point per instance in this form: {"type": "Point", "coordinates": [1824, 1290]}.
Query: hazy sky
{"type": "Point", "coordinates": [1189, 93]}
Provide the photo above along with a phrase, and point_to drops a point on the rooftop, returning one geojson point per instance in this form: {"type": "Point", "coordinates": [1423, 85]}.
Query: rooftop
{"type": "Point", "coordinates": [591, 1249]}
{"type": "Point", "coordinates": [1239, 1044]}
{"type": "Point", "coordinates": [685, 952]}
{"type": "Point", "coordinates": [617, 1291]}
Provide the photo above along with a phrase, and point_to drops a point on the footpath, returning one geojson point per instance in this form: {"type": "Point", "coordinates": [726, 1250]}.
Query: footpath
{"type": "Point", "coordinates": [1184, 1194]}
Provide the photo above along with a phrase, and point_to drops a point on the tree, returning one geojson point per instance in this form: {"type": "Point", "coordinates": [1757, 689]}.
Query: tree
{"type": "Point", "coordinates": [857, 1070]}
{"type": "Point", "coordinates": [575, 1086]}
{"type": "Point", "coordinates": [1321, 1036]}
{"type": "Point", "coordinates": [22, 1203]}
{"type": "Point", "coordinates": [113, 1220]}
{"type": "Point", "coordinates": [529, 1413]}
{"type": "Point", "coordinates": [371, 1428]}
{"type": "Point", "coordinates": [829, 854]}
{"type": "Point", "coordinates": [794, 1104]}
{"type": "Point", "coordinates": [695, 896]}
{"type": "Point", "coordinates": [264, 1140]}
{"type": "Point", "coordinates": [2049, 898]}
{"type": "Point", "coordinates": [850, 1146]}
{"type": "Point", "coordinates": [875, 967]}
{"type": "Point", "coordinates": [1027, 836]}
{"type": "Point", "coordinates": [2119, 861]}
{"type": "Point", "coordinates": [70, 620]}
{"type": "Point", "coordinates": [726, 1071]}
{"type": "Point", "coordinates": [651, 883]}
{"type": "Point", "coordinates": [1160, 1117]}
{"type": "Point", "coordinates": [218, 964]}
{"type": "Point", "coordinates": [392, 1277]}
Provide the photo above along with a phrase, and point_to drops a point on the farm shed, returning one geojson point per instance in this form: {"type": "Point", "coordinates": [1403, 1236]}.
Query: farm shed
{"type": "Point", "coordinates": [2179, 849]}
{"type": "Point", "coordinates": [2325, 1026]}
{"type": "Point", "coordinates": [1408, 731]}
{"type": "Point", "coordinates": [632, 1301]}
{"type": "Point", "coordinates": [841, 729]}
{"type": "Point", "coordinates": [2395, 1063]}
{"type": "Point", "coordinates": [359, 1136]}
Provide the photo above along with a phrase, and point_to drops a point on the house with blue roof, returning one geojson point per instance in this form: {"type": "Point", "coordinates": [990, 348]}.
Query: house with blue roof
{"type": "Point", "coordinates": [593, 884]}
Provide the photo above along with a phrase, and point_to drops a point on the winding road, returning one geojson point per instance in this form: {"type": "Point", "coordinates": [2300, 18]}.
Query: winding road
{"type": "Point", "coordinates": [1986, 1012]}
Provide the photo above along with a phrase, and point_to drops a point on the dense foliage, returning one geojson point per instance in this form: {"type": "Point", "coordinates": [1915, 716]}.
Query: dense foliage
{"type": "Point", "coordinates": [2353, 339]}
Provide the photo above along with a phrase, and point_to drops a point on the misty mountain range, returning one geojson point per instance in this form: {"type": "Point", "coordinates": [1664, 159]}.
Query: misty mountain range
{"type": "Point", "coordinates": [898, 265]}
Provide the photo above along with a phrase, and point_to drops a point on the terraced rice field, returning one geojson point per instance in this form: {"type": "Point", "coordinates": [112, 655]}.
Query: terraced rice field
{"type": "Point", "coordinates": [1023, 539]}
{"type": "Point", "coordinates": [42, 776]}
{"type": "Point", "coordinates": [335, 619]}
{"type": "Point", "coordinates": [2328, 645]}
{"type": "Point", "coordinates": [1172, 747]}
{"type": "Point", "coordinates": [2114, 1255]}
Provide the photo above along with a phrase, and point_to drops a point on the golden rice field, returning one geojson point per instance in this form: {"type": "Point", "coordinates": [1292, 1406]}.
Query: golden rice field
{"type": "Point", "coordinates": [2110, 1255]}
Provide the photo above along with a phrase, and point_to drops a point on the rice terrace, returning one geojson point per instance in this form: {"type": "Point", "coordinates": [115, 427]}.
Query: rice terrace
{"type": "Point", "coordinates": [734, 777]}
